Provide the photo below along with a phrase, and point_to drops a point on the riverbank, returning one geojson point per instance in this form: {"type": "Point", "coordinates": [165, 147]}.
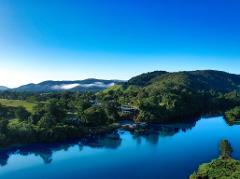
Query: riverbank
{"type": "Point", "coordinates": [83, 132]}
{"type": "Point", "coordinates": [233, 116]}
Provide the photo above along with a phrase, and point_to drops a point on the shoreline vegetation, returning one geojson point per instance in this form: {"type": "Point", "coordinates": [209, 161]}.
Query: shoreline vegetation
{"type": "Point", "coordinates": [233, 116]}
{"type": "Point", "coordinates": [152, 98]}
{"type": "Point", "coordinates": [223, 167]}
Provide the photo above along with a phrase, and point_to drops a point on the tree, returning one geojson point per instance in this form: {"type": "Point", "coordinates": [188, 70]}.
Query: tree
{"type": "Point", "coordinates": [82, 105]}
{"type": "Point", "coordinates": [225, 149]}
{"type": "Point", "coordinates": [3, 126]}
{"type": "Point", "coordinates": [111, 109]}
{"type": "Point", "coordinates": [21, 113]}
{"type": "Point", "coordinates": [94, 116]}
{"type": "Point", "coordinates": [47, 121]}
{"type": "Point", "coordinates": [55, 109]}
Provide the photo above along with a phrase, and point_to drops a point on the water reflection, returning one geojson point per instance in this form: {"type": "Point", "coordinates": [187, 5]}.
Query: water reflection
{"type": "Point", "coordinates": [3, 159]}
{"type": "Point", "coordinates": [152, 134]}
{"type": "Point", "coordinates": [45, 151]}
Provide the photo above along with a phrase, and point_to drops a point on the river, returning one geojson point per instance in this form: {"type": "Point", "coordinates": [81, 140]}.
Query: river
{"type": "Point", "coordinates": [167, 152]}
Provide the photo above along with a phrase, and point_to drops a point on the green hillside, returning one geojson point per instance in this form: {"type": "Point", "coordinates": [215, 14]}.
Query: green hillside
{"type": "Point", "coordinates": [17, 103]}
{"type": "Point", "coordinates": [164, 97]}
{"type": "Point", "coordinates": [201, 79]}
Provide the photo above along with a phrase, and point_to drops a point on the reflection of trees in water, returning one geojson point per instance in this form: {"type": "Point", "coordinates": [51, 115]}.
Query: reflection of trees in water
{"type": "Point", "coordinates": [150, 137]}
{"type": "Point", "coordinates": [47, 157]}
{"type": "Point", "coordinates": [3, 159]}
{"type": "Point", "coordinates": [170, 130]}
{"type": "Point", "coordinates": [111, 141]}
{"type": "Point", "coordinates": [45, 151]}
{"type": "Point", "coordinates": [153, 132]}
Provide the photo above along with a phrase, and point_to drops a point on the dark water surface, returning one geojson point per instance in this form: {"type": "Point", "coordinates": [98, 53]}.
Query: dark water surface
{"type": "Point", "coordinates": [170, 151]}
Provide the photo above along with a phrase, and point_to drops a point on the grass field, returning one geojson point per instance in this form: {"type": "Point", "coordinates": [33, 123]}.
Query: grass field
{"type": "Point", "coordinates": [16, 103]}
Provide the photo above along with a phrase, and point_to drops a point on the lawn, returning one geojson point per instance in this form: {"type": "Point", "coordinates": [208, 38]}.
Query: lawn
{"type": "Point", "coordinates": [16, 103]}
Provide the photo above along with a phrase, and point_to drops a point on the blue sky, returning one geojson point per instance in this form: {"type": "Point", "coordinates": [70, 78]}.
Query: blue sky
{"type": "Point", "coordinates": [77, 39]}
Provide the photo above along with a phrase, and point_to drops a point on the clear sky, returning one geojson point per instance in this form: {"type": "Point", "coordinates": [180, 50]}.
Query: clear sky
{"type": "Point", "coordinates": [76, 39]}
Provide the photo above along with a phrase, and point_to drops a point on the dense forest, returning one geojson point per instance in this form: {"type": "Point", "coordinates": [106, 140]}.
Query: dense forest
{"type": "Point", "coordinates": [55, 117]}
{"type": "Point", "coordinates": [157, 97]}
{"type": "Point", "coordinates": [167, 97]}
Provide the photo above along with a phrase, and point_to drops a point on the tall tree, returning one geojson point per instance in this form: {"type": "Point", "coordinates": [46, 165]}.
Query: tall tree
{"type": "Point", "coordinates": [225, 149]}
{"type": "Point", "coordinates": [21, 113]}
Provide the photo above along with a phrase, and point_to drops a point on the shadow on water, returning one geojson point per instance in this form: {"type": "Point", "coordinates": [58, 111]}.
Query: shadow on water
{"type": "Point", "coordinates": [45, 151]}
{"type": "Point", "coordinates": [154, 132]}
{"type": "Point", "coordinates": [151, 134]}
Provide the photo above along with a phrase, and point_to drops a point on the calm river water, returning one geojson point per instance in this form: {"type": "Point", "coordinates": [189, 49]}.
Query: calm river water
{"type": "Point", "coordinates": [168, 152]}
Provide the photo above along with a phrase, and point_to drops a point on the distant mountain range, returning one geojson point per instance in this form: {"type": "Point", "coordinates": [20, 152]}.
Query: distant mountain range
{"type": "Point", "coordinates": [197, 80]}
{"type": "Point", "coordinates": [3, 88]}
{"type": "Point", "coordinates": [78, 85]}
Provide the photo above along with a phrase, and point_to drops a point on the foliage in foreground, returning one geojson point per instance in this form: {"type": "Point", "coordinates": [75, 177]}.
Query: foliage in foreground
{"type": "Point", "coordinates": [218, 168]}
{"type": "Point", "coordinates": [223, 167]}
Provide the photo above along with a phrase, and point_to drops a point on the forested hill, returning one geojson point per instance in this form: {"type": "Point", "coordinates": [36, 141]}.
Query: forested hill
{"type": "Point", "coordinates": [199, 80]}
{"type": "Point", "coordinates": [145, 78]}
{"type": "Point", "coordinates": [166, 97]}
